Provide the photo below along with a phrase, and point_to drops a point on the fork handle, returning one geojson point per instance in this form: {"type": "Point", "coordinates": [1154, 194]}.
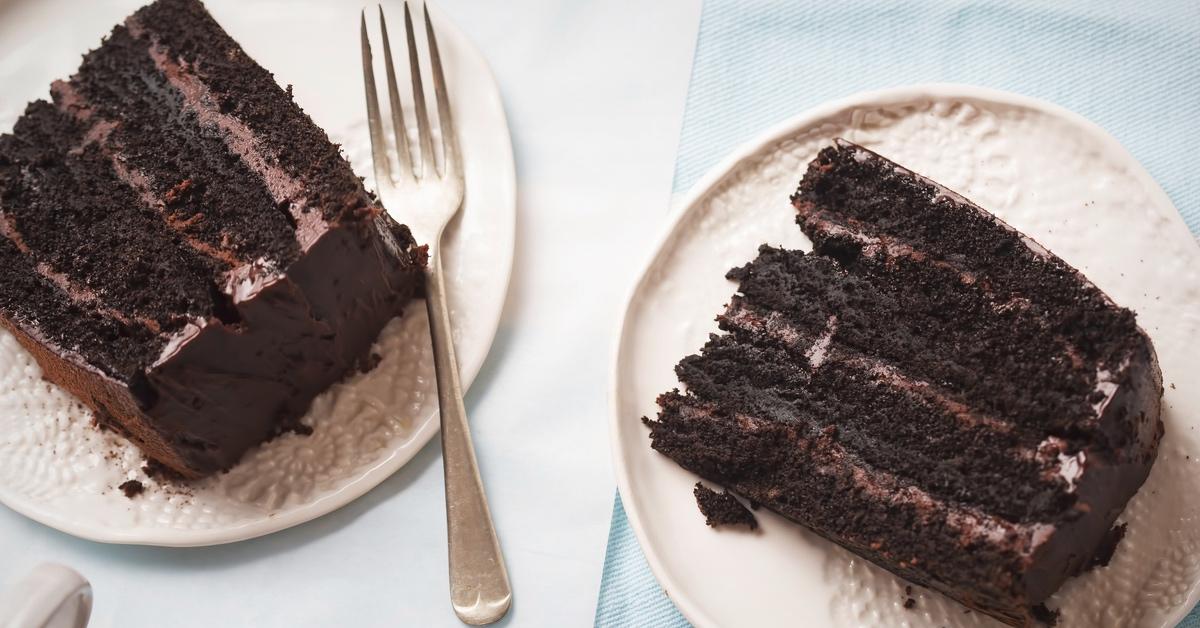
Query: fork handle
{"type": "Point", "coordinates": [479, 587]}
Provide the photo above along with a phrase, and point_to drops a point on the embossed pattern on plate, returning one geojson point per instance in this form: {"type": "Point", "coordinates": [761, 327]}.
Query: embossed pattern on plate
{"type": "Point", "coordinates": [1046, 171]}
{"type": "Point", "coordinates": [58, 469]}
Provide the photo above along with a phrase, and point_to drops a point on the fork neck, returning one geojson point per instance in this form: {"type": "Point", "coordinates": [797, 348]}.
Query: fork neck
{"type": "Point", "coordinates": [435, 251]}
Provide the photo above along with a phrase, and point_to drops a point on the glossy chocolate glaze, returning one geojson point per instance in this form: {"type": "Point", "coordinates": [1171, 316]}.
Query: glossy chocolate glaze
{"type": "Point", "coordinates": [228, 387]}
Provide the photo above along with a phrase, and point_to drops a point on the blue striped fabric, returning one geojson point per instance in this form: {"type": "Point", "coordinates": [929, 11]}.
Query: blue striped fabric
{"type": "Point", "coordinates": [1132, 67]}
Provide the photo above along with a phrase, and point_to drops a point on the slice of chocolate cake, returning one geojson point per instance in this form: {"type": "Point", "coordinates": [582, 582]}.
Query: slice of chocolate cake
{"type": "Point", "coordinates": [929, 388]}
{"type": "Point", "coordinates": [184, 249]}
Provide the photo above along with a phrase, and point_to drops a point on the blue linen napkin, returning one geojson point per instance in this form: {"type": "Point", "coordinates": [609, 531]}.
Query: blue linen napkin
{"type": "Point", "coordinates": [1131, 67]}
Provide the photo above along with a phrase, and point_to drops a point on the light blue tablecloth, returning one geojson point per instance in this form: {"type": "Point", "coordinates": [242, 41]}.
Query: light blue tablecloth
{"type": "Point", "coordinates": [1132, 67]}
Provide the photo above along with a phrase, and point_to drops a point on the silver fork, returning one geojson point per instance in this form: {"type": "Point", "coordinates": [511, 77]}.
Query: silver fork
{"type": "Point", "coordinates": [479, 587]}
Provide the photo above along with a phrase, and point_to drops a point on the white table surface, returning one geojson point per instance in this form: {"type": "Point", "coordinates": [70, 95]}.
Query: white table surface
{"type": "Point", "coordinates": [594, 93]}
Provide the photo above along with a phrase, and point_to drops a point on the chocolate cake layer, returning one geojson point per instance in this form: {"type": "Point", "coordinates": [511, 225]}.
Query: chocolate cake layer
{"type": "Point", "coordinates": [220, 216]}
{"type": "Point", "coordinates": [226, 90]}
{"type": "Point", "coordinates": [76, 218]}
{"type": "Point", "coordinates": [44, 309]}
{"type": "Point", "coordinates": [722, 509]}
{"type": "Point", "coordinates": [930, 389]}
{"type": "Point", "coordinates": [892, 426]}
{"type": "Point", "coordinates": [184, 250]}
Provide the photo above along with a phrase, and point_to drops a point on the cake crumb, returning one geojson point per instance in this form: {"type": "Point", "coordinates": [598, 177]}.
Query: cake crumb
{"type": "Point", "coordinates": [1107, 547]}
{"type": "Point", "coordinates": [368, 362]}
{"type": "Point", "coordinates": [160, 471]}
{"type": "Point", "coordinates": [132, 488]}
{"type": "Point", "coordinates": [722, 509]}
{"type": "Point", "coordinates": [178, 193]}
{"type": "Point", "coordinates": [1045, 615]}
{"type": "Point", "coordinates": [909, 604]}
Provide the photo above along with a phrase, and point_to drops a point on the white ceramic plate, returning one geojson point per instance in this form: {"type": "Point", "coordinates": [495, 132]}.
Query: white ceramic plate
{"type": "Point", "coordinates": [55, 468]}
{"type": "Point", "coordinates": [1044, 170]}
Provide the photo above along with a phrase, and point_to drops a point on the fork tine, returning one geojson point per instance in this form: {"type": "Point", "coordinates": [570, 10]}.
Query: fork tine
{"type": "Point", "coordinates": [423, 130]}
{"type": "Point", "coordinates": [451, 160]}
{"type": "Point", "coordinates": [398, 126]}
{"type": "Point", "coordinates": [383, 175]}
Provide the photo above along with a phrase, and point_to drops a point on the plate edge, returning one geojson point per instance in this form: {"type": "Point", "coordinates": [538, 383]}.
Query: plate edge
{"type": "Point", "coordinates": [385, 468]}
{"type": "Point", "coordinates": [747, 150]}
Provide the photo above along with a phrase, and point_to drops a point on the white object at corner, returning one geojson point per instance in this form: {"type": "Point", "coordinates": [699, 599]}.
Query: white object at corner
{"type": "Point", "coordinates": [51, 596]}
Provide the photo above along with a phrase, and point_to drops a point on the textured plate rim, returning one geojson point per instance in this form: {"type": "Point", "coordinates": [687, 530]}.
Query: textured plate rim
{"type": "Point", "coordinates": [503, 205]}
{"type": "Point", "coordinates": [735, 161]}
